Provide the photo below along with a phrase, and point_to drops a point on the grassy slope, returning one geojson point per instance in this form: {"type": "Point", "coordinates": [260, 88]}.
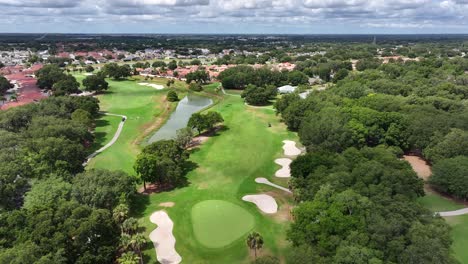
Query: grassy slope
{"type": "Point", "coordinates": [228, 165]}
{"type": "Point", "coordinates": [459, 224]}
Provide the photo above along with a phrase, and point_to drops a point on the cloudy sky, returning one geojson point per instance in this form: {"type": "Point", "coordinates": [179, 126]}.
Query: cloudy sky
{"type": "Point", "coordinates": [234, 16]}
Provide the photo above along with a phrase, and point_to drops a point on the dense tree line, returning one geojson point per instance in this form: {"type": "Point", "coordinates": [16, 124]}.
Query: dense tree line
{"type": "Point", "coordinates": [357, 199]}
{"type": "Point", "coordinates": [50, 210]}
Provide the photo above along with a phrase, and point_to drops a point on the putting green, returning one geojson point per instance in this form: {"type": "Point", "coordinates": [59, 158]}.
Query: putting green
{"type": "Point", "coordinates": [218, 223]}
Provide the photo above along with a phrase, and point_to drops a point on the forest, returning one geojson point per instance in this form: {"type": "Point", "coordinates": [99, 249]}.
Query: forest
{"type": "Point", "coordinates": [352, 184]}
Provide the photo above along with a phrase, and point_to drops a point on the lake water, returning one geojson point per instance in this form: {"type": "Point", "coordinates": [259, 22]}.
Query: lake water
{"type": "Point", "coordinates": [190, 104]}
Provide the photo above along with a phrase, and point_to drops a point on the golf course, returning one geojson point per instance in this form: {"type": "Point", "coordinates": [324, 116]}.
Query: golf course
{"type": "Point", "coordinates": [210, 219]}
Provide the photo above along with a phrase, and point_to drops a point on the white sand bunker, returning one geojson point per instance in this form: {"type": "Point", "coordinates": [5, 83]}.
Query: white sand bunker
{"type": "Point", "coordinates": [163, 239]}
{"type": "Point", "coordinates": [167, 204]}
{"type": "Point", "coordinates": [284, 172]}
{"type": "Point", "coordinates": [264, 202]}
{"type": "Point", "coordinates": [155, 86]}
{"type": "Point", "coordinates": [267, 182]}
{"type": "Point", "coordinates": [290, 148]}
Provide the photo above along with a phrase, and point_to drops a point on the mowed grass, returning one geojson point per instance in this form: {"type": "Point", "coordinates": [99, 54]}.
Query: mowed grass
{"type": "Point", "coordinates": [437, 203]}
{"type": "Point", "coordinates": [459, 234]}
{"type": "Point", "coordinates": [210, 219]}
{"type": "Point", "coordinates": [227, 165]}
{"type": "Point", "coordinates": [146, 109]}
{"type": "Point", "coordinates": [459, 224]}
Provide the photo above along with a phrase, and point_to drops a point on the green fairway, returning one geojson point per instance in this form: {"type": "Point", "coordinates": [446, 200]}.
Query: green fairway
{"type": "Point", "coordinates": [218, 223]}
{"type": "Point", "coordinates": [459, 233]}
{"type": "Point", "coordinates": [227, 165]}
{"type": "Point", "coordinates": [437, 203]}
{"type": "Point", "coordinates": [459, 224]}
{"type": "Point", "coordinates": [146, 109]}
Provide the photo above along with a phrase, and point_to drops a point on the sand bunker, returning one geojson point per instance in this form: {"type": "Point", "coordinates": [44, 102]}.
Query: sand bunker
{"type": "Point", "coordinates": [284, 172]}
{"type": "Point", "coordinates": [267, 182]}
{"type": "Point", "coordinates": [264, 202]}
{"type": "Point", "coordinates": [422, 169]}
{"type": "Point", "coordinates": [290, 148]}
{"type": "Point", "coordinates": [155, 86]}
{"type": "Point", "coordinates": [167, 204]}
{"type": "Point", "coordinates": [163, 239]}
{"type": "Point", "coordinates": [88, 74]}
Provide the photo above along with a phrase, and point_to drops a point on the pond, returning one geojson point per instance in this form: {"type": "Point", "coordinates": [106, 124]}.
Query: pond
{"type": "Point", "coordinates": [192, 103]}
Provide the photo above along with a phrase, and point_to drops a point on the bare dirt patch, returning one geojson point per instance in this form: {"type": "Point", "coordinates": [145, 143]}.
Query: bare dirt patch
{"type": "Point", "coordinates": [420, 166]}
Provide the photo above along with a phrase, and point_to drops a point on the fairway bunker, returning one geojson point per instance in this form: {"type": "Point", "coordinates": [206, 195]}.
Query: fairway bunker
{"type": "Point", "coordinates": [285, 171]}
{"type": "Point", "coordinates": [155, 86]}
{"type": "Point", "coordinates": [290, 148]}
{"type": "Point", "coordinates": [218, 223]}
{"type": "Point", "coordinates": [264, 202]}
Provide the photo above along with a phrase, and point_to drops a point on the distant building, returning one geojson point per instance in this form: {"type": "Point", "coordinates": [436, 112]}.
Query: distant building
{"type": "Point", "coordinates": [286, 89]}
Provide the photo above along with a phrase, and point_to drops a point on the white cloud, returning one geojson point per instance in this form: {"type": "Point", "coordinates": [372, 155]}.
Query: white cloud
{"type": "Point", "coordinates": [222, 14]}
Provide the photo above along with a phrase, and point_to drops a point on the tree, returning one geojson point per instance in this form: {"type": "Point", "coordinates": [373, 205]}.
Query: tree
{"type": "Point", "coordinates": [213, 118]}
{"type": "Point", "coordinates": [162, 162]}
{"type": "Point", "coordinates": [159, 64]}
{"type": "Point", "coordinates": [196, 87]}
{"type": "Point", "coordinates": [255, 242]}
{"type": "Point", "coordinates": [4, 85]}
{"type": "Point", "coordinates": [255, 95]}
{"type": "Point", "coordinates": [89, 68]}
{"type": "Point", "coordinates": [184, 137]}
{"type": "Point", "coordinates": [129, 258]}
{"type": "Point", "coordinates": [172, 96]}
{"type": "Point", "coordinates": [95, 83]}
{"type": "Point", "coordinates": [49, 75]}
{"type": "Point", "coordinates": [451, 176]}
{"type": "Point", "coordinates": [455, 143]}
{"type": "Point", "coordinates": [116, 71]}
{"type": "Point", "coordinates": [199, 76]}
{"type": "Point", "coordinates": [296, 78]}
{"type": "Point", "coordinates": [198, 122]}
{"type": "Point", "coordinates": [102, 188]}
{"type": "Point", "coordinates": [66, 86]}
{"type": "Point", "coordinates": [83, 117]}
{"type": "Point", "coordinates": [47, 193]}
{"type": "Point", "coordinates": [120, 214]}
{"type": "Point", "coordinates": [340, 75]}
{"type": "Point", "coordinates": [160, 170]}
{"type": "Point", "coordinates": [172, 65]}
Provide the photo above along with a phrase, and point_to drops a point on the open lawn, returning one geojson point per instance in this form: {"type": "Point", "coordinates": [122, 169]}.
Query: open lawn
{"type": "Point", "coordinates": [227, 166]}
{"type": "Point", "coordinates": [459, 233]}
{"type": "Point", "coordinates": [459, 224]}
{"type": "Point", "coordinates": [146, 109]}
{"type": "Point", "coordinates": [437, 203]}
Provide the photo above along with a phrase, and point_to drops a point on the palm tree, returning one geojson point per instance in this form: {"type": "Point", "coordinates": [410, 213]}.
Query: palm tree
{"type": "Point", "coordinates": [130, 226]}
{"type": "Point", "coordinates": [255, 241]}
{"type": "Point", "coordinates": [128, 258]}
{"type": "Point", "coordinates": [134, 243]}
{"type": "Point", "coordinates": [120, 213]}
{"type": "Point", "coordinates": [139, 241]}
